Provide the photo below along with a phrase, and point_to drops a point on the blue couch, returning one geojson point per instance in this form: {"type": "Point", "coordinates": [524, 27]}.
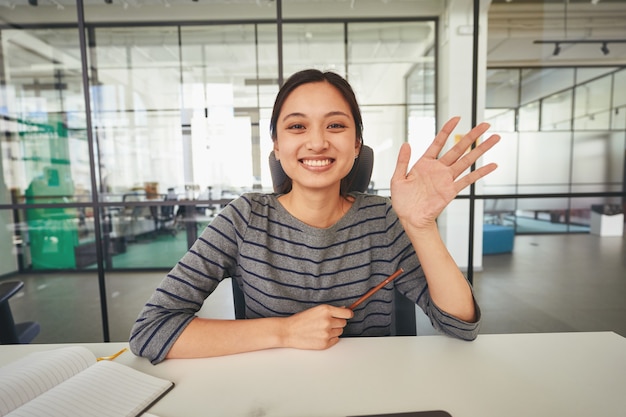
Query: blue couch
{"type": "Point", "coordinates": [497, 239]}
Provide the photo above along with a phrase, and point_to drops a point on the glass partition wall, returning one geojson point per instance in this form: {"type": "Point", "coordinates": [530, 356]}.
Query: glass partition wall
{"type": "Point", "coordinates": [178, 99]}
{"type": "Point", "coordinates": [129, 124]}
{"type": "Point", "coordinates": [564, 128]}
{"type": "Point", "coordinates": [553, 223]}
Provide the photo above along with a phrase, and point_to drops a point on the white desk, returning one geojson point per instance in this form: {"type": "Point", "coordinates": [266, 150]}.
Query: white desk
{"type": "Point", "coordinates": [552, 375]}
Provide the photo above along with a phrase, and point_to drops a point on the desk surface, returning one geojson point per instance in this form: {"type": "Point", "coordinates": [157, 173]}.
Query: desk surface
{"type": "Point", "coordinates": [549, 374]}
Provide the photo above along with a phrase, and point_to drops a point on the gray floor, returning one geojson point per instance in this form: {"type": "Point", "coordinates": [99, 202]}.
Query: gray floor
{"type": "Point", "coordinates": [550, 283]}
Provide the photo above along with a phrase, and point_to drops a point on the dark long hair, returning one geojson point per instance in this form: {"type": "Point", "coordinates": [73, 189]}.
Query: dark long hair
{"type": "Point", "coordinates": [317, 76]}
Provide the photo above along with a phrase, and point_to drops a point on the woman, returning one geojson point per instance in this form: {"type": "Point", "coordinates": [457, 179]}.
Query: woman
{"type": "Point", "coordinates": [302, 255]}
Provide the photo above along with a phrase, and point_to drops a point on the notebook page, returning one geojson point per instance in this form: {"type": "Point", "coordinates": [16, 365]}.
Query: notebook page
{"type": "Point", "coordinates": [106, 389]}
{"type": "Point", "coordinates": [26, 378]}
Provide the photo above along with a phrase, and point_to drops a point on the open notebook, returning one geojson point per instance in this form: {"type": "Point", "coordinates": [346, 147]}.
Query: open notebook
{"type": "Point", "coordinates": [69, 382]}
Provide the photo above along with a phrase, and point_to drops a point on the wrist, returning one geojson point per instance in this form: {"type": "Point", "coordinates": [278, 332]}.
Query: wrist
{"type": "Point", "coordinates": [419, 229]}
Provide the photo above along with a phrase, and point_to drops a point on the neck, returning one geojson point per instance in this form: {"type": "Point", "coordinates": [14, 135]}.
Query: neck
{"type": "Point", "coordinates": [317, 209]}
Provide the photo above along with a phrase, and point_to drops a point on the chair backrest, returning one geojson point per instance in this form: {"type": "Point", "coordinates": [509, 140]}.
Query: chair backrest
{"type": "Point", "coordinates": [10, 332]}
{"type": "Point", "coordinates": [404, 321]}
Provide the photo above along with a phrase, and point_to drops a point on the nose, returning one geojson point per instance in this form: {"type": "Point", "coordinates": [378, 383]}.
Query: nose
{"type": "Point", "coordinates": [317, 140]}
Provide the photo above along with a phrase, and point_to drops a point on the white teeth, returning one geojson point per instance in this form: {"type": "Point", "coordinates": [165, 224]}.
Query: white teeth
{"type": "Point", "coordinates": [316, 162]}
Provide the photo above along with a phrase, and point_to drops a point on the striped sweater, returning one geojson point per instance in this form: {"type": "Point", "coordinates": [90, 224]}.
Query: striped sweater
{"type": "Point", "coordinates": [285, 266]}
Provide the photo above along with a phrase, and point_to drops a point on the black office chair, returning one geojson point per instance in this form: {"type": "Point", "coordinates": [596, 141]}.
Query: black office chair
{"type": "Point", "coordinates": [359, 179]}
{"type": "Point", "coordinates": [10, 332]}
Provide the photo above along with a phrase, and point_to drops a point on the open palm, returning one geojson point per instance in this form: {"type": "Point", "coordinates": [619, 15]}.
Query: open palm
{"type": "Point", "coordinates": [420, 194]}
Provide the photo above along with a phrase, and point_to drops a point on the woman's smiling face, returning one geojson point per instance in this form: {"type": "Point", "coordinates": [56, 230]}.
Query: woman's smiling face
{"type": "Point", "coordinates": [316, 139]}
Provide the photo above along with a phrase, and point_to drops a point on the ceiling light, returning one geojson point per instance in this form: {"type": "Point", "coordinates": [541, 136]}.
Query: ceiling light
{"type": "Point", "coordinates": [557, 49]}
{"type": "Point", "coordinates": [32, 2]}
{"type": "Point", "coordinates": [605, 49]}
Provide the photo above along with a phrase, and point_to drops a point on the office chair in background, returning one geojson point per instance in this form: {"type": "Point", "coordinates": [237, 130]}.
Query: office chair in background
{"type": "Point", "coordinates": [11, 332]}
{"type": "Point", "coordinates": [404, 321]}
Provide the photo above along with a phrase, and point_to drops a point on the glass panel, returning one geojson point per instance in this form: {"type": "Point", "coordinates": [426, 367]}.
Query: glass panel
{"type": "Point", "coordinates": [170, 11]}
{"type": "Point", "coordinates": [361, 8]}
{"type": "Point", "coordinates": [598, 159]}
{"type": "Point", "coordinates": [542, 215]}
{"type": "Point", "coordinates": [556, 111]}
{"type": "Point", "coordinates": [384, 126]}
{"type": "Point", "coordinates": [314, 45]}
{"type": "Point", "coordinates": [421, 82]}
{"type": "Point", "coordinates": [618, 118]}
{"type": "Point", "coordinates": [387, 60]}
{"type": "Point", "coordinates": [586, 74]}
{"type": "Point", "coordinates": [147, 142]}
{"type": "Point", "coordinates": [267, 61]}
{"type": "Point", "coordinates": [66, 306]}
{"type": "Point", "coordinates": [619, 86]}
{"type": "Point", "coordinates": [500, 211]}
{"type": "Point", "coordinates": [136, 125]}
{"type": "Point", "coordinates": [125, 301]}
{"type": "Point", "coordinates": [12, 240]}
{"type": "Point", "coordinates": [140, 235]}
{"type": "Point", "coordinates": [571, 129]}
{"type": "Point", "coordinates": [538, 83]}
{"type": "Point", "coordinates": [502, 88]}
{"type": "Point", "coordinates": [501, 120]}
{"type": "Point", "coordinates": [593, 101]}
{"type": "Point", "coordinates": [421, 129]}
{"type": "Point", "coordinates": [544, 162]}
{"type": "Point", "coordinates": [56, 237]}
{"type": "Point", "coordinates": [504, 179]}
{"type": "Point", "coordinates": [529, 117]}
{"type": "Point", "coordinates": [45, 147]}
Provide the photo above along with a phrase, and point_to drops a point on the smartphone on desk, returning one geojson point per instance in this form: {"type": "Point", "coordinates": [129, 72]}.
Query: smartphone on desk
{"type": "Point", "coordinates": [431, 413]}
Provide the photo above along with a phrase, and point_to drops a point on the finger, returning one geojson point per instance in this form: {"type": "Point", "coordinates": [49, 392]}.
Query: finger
{"type": "Point", "coordinates": [462, 146]}
{"type": "Point", "coordinates": [335, 332]}
{"type": "Point", "coordinates": [404, 156]}
{"type": "Point", "coordinates": [341, 313]}
{"type": "Point", "coordinates": [441, 138]}
{"type": "Point", "coordinates": [462, 164]}
{"type": "Point", "coordinates": [474, 176]}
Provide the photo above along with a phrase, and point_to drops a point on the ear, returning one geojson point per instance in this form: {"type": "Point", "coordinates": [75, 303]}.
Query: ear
{"type": "Point", "coordinates": [276, 151]}
{"type": "Point", "coordinates": [357, 148]}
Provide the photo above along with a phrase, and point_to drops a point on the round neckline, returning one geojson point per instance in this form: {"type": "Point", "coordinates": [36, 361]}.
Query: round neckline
{"type": "Point", "coordinates": [302, 225]}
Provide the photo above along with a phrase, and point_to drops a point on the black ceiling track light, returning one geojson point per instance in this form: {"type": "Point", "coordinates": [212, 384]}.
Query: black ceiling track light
{"type": "Point", "coordinates": [603, 42]}
{"type": "Point", "coordinates": [33, 2]}
{"type": "Point", "coordinates": [605, 48]}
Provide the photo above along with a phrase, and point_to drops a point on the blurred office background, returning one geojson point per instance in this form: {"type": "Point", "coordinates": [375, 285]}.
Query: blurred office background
{"type": "Point", "coordinates": [128, 124]}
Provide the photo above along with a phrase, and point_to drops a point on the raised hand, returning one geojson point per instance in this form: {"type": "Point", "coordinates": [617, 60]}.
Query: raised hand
{"type": "Point", "coordinates": [420, 194]}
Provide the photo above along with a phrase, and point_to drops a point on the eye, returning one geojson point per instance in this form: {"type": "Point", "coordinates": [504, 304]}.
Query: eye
{"type": "Point", "coordinates": [336, 126]}
{"type": "Point", "coordinates": [295, 126]}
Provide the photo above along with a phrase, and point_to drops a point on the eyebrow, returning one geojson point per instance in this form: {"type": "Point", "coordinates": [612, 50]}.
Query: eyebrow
{"type": "Point", "coordinates": [329, 114]}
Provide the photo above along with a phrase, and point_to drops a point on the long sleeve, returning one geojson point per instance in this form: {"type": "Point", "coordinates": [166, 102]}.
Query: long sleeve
{"type": "Point", "coordinates": [183, 290]}
{"type": "Point", "coordinates": [414, 286]}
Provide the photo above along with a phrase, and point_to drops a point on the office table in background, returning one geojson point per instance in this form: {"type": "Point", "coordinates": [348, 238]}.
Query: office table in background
{"type": "Point", "coordinates": [543, 374]}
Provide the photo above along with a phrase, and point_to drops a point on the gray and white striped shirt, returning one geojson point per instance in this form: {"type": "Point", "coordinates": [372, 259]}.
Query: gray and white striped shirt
{"type": "Point", "coordinates": [285, 266]}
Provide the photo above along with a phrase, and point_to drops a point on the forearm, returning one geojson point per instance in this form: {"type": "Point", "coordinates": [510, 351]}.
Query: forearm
{"type": "Point", "coordinates": [447, 286]}
{"type": "Point", "coordinates": [316, 328]}
{"type": "Point", "coordinates": [209, 337]}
